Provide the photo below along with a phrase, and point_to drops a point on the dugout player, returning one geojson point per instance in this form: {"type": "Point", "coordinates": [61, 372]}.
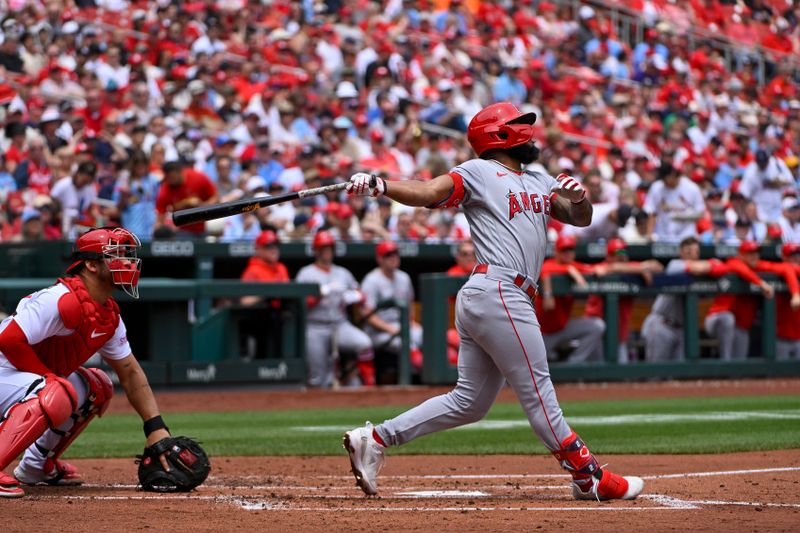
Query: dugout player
{"type": "Point", "coordinates": [47, 398]}
{"type": "Point", "coordinates": [731, 316]}
{"type": "Point", "coordinates": [662, 330]}
{"type": "Point", "coordinates": [788, 315]}
{"type": "Point", "coordinates": [508, 209]}
{"type": "Point", "coordinates": [328, 330]}
{"type": "Point", "coordinates": [382, 284]}
{"type": "Point", "coordinates": [554, 311]}
{"type": "Point", "coordinates": [617, 262]}
{"type": "Point", "coordinates": [265, 264]}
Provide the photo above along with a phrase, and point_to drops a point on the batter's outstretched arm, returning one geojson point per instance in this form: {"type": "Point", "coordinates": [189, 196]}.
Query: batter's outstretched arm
{"type": "Point", "coordinates": [420, 193]}
{"type": "Point", "coordinates": [412, 192]}
{"type": "Point", "coordinates": [563, 210]}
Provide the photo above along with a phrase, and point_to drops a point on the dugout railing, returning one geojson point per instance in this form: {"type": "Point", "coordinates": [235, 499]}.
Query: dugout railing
{"type": "Point", "coordinates": [437, 291]}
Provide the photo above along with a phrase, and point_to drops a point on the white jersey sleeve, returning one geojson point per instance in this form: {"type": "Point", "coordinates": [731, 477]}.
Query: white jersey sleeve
{"type": "Point", "coordinates": [38, 317]}
{"type": "Point", "coordinates": [117, 346]}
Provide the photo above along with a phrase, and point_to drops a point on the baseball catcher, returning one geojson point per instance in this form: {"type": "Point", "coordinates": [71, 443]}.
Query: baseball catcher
{"type": "Point", "coordinates": [47, 398]}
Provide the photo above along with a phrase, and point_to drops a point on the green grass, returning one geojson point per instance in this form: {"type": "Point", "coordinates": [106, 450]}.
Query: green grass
{"type": "Point", "coordinates": [688, 425]}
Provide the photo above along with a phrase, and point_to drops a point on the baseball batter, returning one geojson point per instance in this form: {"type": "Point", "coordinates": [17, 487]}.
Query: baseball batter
{"type": "Point", "coordinates": [508, 209]}
{"type": "Point", "coordinates": [328, 330]}
{"type": "Point", "coordinates": [47, 399]}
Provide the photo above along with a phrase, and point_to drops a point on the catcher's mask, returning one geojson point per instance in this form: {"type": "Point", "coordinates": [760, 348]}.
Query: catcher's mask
{"type": "Point", "coordinates": [118, 248]}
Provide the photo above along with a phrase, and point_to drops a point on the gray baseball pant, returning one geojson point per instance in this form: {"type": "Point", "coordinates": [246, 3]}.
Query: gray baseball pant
{"type": "Point", "coordinates": [662, 342]}
{"type": "Point", "coordinates": [733, 341]}
{"type": "Point", "coordinates": [500, 341]}
{"type": "Point", "coordinates": [589, 334]}
{"type": "Point", "coordinates": [787, 349]}
{"type": "Point", "coordinates": [380, 338]}
{"type": "Point", "coordinates": [319, 346]}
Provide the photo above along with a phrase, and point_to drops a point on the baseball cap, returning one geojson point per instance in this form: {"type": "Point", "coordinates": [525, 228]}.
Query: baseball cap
{"type": "Point", "coordinates": [616, 247]}
{"type": "Point", "coordinates": [376, 135]}
{"type": "Point", "coordinates": [385, 248]}
{"type": "Point", "coordinates": [224, 139]}
{"type": "Point", "coordinates": [346, 89]}
{"type": "Point", "coordinates": [342, 123]}
{"type": "Point", "coordinates": [266, 238]}
{"type": "Point", "coordinates": [565, 242]}
{"type": "Point", "coordinates": [748, 247]}
{"type": "Point", "coordinates": [790, 248]}
{"type": "Point", "coordinates": [29, 214]}
{"type": "Point", "coordinates": [790, 203]}
{"type": "Point", "coordinates": [254, 183]}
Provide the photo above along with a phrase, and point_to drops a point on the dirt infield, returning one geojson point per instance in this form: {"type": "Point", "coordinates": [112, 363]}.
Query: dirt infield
{"type": "Point", "coordinates": [418, 493]}
{"type": "Point", "coordinates": [732, 492]}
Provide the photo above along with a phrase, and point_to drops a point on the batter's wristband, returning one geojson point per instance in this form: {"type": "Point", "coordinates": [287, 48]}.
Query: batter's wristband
{"type": "Point", "coordinates": [154, 424]}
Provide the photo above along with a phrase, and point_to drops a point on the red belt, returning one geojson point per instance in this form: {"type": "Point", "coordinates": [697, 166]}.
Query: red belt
{"type": "Point", "coordinates": [519, 280]}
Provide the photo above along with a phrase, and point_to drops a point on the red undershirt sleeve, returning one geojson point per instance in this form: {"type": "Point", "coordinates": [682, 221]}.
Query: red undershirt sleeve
{"type": "Point", "coordinates": [14, 345]}
{"type": "Point", "coordinates": [456, 195]}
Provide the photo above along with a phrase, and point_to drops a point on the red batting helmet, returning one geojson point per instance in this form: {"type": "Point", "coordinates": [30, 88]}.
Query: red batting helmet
{"type": "Point", "coordinates": [384, 248]}
{"type": "Point", "coordinates": [500, 125]}
{"type": "Point", "coordinates": [615, 246]}
{"type": "Point", "coordinates": [266, 238]}
{"type": "Point", "coordinates": [118, 247]}
{"type": "Point", "coordinates": [323, 238]}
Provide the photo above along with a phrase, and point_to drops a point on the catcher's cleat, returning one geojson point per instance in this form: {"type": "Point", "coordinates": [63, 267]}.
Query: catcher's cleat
{"type": "Point", "coordinates": [609, 486]}
{"type": "Point", "coordinates": [366, 457]}
{"type": "Point", "coordinates": [58, 473]}
{"type": "Point", "coordinates": [9, 487]}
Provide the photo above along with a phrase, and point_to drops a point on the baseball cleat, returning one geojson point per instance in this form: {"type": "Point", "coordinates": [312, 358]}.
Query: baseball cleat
{"type": "Point", "coordinates": [62, 474]}
{"type": "Point", "coordinates": [9, 487]}
{"type": "Point", "coordinates": [610, 487]}
{"type": "Point", "coordinates": [366, 457]}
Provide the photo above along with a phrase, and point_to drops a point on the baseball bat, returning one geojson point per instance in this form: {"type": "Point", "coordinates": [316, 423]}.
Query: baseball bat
{"type": "Point", "coordinates": [245, 205]}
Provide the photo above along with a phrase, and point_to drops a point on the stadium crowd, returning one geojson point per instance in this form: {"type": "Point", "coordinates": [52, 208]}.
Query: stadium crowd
{"type": "Point", "coordinates": [122, 111]}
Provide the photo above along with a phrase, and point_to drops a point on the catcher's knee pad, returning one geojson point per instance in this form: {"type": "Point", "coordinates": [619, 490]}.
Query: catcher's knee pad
{"type": "Point", "coordinates": [25, 422]}
{"type": "Point", "coordinates": [98, 397]}
{"type": "Point", "coordinates": [100, 389]}
{"type": "Point", "coordinates": [576, 458]}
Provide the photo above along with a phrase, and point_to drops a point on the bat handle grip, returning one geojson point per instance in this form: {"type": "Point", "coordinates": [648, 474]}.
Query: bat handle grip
{"type": "Point", "coordinates": [373, 181]}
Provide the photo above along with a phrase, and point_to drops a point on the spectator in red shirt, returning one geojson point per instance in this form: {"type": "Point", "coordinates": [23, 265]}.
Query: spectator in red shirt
{"type": "Point", "coordinates": [554, 311]}
{"type": "Point", "coordinates": [183, 188]}
{"type": "Point", "coordinates": [617, 263]}
{"type": "Point", "coordinates": [465, 260]}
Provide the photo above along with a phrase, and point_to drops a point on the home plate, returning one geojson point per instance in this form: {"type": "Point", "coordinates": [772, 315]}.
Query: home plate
{"type": "Point", "coordinates": [443, 494]}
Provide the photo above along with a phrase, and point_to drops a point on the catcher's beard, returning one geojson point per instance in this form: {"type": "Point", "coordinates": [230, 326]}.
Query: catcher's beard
{"type": "Point", "coordinates": [524, 153]}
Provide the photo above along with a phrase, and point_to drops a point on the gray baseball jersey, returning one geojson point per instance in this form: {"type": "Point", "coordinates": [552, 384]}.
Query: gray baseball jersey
{"type": "Point", "coordinates": [507, 213]}
{"type": "Point", "coordinates": [670, 306]}
{"type": "Point", "coordinates": [331, 308]}
{"type": "Point", "coordinates": [377, 288]}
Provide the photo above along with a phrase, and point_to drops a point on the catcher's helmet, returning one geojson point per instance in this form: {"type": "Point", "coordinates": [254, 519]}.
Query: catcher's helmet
{"type": "Point", "coordinates": [118, 247]}
{"type": "Point", "coordinates": [500, 125]}
{"type": "Point", "coordinates": [323, 238]}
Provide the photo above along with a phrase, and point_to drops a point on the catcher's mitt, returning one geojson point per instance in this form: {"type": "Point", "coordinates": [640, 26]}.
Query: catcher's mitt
{"type": "Point", "coordinates": [188, 463]}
